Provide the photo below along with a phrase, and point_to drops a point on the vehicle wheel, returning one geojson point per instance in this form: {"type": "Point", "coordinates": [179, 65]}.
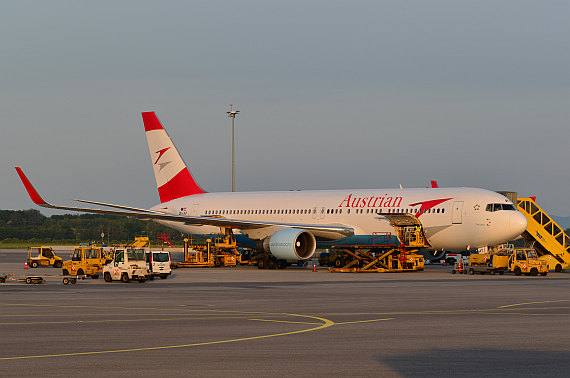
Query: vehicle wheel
{"type": "Point", "coordinates": [80, 272]}
{"type": "Point", "coordinates": [217, 262]}
{"type": "Point", "coordinates": [271, 264]}
{"type": "Point", "coordinates": [34, 264]}
{"type": "Point", "coordinates": [94, 276]}
{"type": "Point", "coordinates": [338, 262]}
{"type": "Point", "coordinates": [471, 271]}
{"type": "Point", "coordinates": [301, 263]}
{"type": "Point", "coordinates": [73, 281]}
{"type": "Point", "coordinates": [558, 268]}
{"type": "Point", "coordinates": [65, 272]}
{"type": "Point", "coordinates": [453, 271]}
{"type": "Point", "coordinates": [534, 272]}
{"type": "Point", "coordinates": [518, 271]}
{"type": "Point", "coordinates": [107, 277]}
{"type": "Point", "coordinates": [501, 272]}
{"type": "Point", "coordinates": [281, 264]}
{"type": "Point", "coordinates": [151, 277]}
{"type": "Point", "coordinates": [163, 276]}
{"type": "Point", "coordinates": [262, 264]}
{"type": "Point", "coordinates": [57, 264]}
{"type": "Point", "coordinates": [142, 279]}
{"type": "Point", "coordinates": [125, 278]}
{"type": "Point", "coordinates": [28, 280]}
{"type": "Point", "coordinates": [493, 272]}
{"type": "Point", "coordinates": [66, 281]}
{"type": "Point", "coordinates": [544, 274]}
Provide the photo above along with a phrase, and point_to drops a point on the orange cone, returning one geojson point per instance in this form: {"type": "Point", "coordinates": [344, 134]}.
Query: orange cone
{"type": "Point", "coordinates": [26, 265]}
{"type": "Point", "coordinates": [314, 267]}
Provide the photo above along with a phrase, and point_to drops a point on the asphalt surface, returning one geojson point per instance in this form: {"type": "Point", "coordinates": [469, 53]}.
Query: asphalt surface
{"type": "Point", "coordinates": [249, 322]}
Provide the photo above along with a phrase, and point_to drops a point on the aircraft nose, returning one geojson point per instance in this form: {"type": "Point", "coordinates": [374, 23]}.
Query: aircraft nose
{"type": "Point", "coordinates": [517, 223]}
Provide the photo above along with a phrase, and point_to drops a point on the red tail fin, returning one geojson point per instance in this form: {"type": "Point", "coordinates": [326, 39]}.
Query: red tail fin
{"type": "Point", "coordinates": [173, 178]}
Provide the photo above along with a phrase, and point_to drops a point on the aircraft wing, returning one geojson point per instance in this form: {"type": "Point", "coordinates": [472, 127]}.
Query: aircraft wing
{"type": "Point", "coordinates": [146, 214]}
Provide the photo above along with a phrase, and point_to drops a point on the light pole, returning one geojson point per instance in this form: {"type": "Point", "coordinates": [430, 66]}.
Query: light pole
{"type": "Point", "coordinates": [232, 114]}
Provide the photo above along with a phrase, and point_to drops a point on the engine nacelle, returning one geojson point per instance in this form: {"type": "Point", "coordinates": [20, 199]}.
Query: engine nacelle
{"type": "Point", "coordinates": [291, 244]}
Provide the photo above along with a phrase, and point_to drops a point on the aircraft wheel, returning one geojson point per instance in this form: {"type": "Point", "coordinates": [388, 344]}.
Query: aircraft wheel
{"type": "Point", "coordinates": [493, 272]}
{"type": "Point", "coordinates": [471, 271]}
{"type": "Point", "coordinates": [281, 264]}
{"type": "Point", "coordinates": [262, 264]}
{"type": "Point", "coordinates": [338, 262]}
{"type": "Point", "coordinates": [271, 264]}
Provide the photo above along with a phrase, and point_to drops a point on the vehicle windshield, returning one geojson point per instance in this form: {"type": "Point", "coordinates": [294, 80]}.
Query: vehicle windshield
{"type": "Point", "coordinates": [160, 257]}
{"type": "Point", "coordinates": [531, 254]}
{"type": "Point", "coordinates": [136, 254]}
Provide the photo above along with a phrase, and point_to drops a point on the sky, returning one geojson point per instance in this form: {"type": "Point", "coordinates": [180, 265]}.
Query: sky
{"type": "Point", "coordinates": [332, 95]}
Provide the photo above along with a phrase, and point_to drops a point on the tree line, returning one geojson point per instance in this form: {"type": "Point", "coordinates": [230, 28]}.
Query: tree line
{"type": "Point", "coordinates": [26, 225]}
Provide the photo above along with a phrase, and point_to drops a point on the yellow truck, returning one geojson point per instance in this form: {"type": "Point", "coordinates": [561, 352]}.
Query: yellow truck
{"type": "Point", "coordinates": [519, 261]}
{"type": "Point", "coordinates": [88, 261]}
{"type": "Point", "coordinates": [43, 256]}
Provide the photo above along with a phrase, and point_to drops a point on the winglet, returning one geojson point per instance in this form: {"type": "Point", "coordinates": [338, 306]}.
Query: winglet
{"type": "Point", "coordinates": [38, 200]}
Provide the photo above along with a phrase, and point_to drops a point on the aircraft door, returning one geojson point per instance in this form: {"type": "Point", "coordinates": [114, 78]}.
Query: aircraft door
{"type": "Point", "coordinates": [194, 210]}
{"type": "Point", "coordinates": [457, 212]}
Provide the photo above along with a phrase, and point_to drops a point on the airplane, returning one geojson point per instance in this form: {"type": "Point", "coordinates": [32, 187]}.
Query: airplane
{"type": "Point", "coordinates": [291, 225]}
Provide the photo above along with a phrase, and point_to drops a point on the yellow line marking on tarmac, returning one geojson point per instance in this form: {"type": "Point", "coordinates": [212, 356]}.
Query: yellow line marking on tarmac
{"type": "Point", "coordinates": [365, 321]}
{"type": "Point", "coordinates": [529, 303]}
{"type": "Point", "coordinates": [282, 321]}
{"type": "Point", "coordinates": [325, 324]}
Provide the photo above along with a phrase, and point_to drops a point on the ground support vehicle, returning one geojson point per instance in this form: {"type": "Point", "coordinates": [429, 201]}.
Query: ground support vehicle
{"type": "Point", "coordinates": [86, 260]}
{"type": "Point", "coordinates": [5, 276]}
{"type": "Point", "coordinates": [460, 267]}
{"type": "Point", "coordinates": [542, 233]}
{"type": "Point", "coordinates": [127, 264]}
{"type": "Point", "coordinates": [159, 264]}
{"type": "Point", "coordinates": [222, 251]}
{"type": "Point", "coordinates": [519, 261]}
{"type": "Point", "coordinates": [43, 256]}
{"type": "Point", "coordinates": [384, 254]}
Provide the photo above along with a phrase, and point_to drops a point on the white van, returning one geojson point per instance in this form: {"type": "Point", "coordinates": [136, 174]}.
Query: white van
{"type": "Point", "coordinates": [159, 263]}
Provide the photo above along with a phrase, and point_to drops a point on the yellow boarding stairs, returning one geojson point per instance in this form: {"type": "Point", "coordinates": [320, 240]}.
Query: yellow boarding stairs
{"type": "Point", "coordinates": [549, 238]}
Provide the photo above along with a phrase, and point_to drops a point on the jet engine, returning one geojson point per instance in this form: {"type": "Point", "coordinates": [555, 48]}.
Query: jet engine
{"type": "Point", "coordinates": [291, 244]}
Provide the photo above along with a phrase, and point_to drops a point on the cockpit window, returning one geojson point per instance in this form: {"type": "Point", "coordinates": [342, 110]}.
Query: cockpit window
{"type": "Point", "coordinates": [499, 206]}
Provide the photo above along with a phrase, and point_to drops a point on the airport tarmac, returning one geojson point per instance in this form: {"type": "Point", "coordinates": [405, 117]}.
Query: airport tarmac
{"type": "Point", "coordinates": [249, 322]}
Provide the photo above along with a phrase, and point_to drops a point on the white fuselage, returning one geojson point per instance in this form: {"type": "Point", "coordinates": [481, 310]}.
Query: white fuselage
{"type": "Point", "coordinates": [452, 218]}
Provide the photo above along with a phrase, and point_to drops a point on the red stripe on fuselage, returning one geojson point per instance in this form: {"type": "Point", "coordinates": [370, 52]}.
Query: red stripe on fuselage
{"type": "Point", "coordinates": [426, 205]}
{"type": "Point", "coordinates": [181, 185]}
{"type": "Point", "coordinates": [151, 121]}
